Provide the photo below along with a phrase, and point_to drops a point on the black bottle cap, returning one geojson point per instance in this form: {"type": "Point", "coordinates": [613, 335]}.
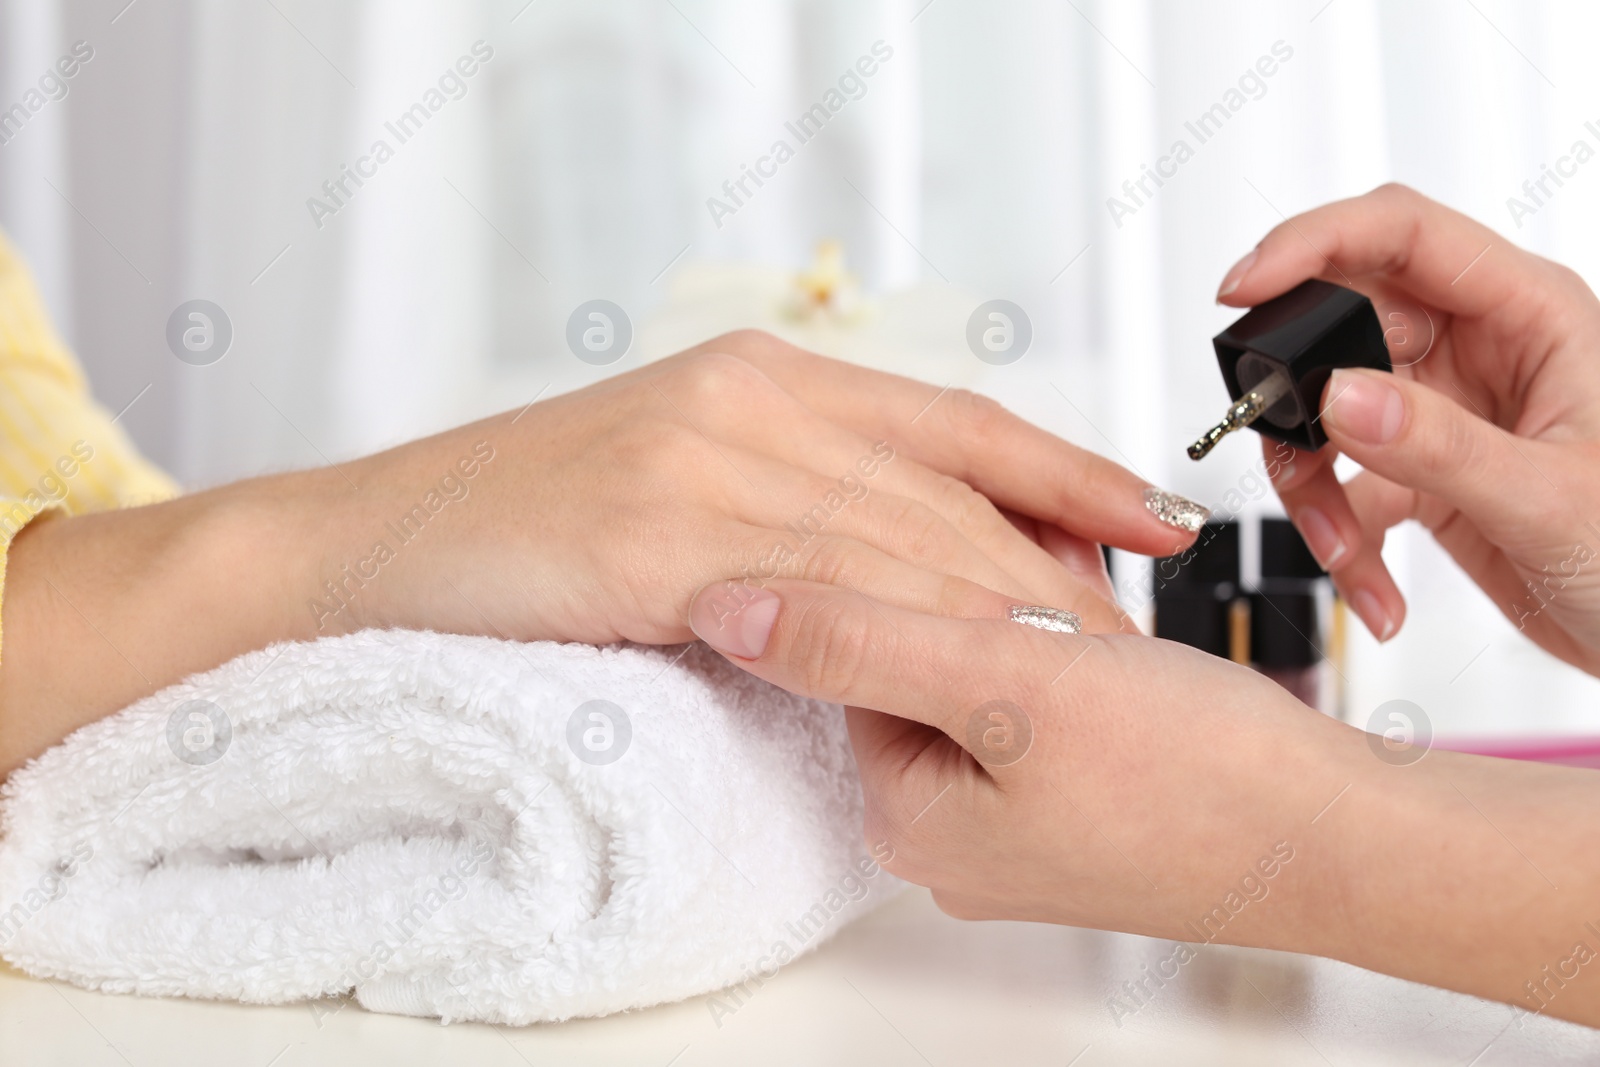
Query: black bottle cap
{"type": "Point", "coordinates": [1213, 559]}
{"type": "Point", "coordinates": [1306, 333]}
{"type": "Point", "coordinates": [1283, 626]}
{"type": "Point", "coordinates": [1284, 554]}
{"type": "Point", "coordinates": [1196, 616]}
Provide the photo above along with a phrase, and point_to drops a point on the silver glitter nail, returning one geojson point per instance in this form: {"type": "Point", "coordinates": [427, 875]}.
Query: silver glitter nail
{"type": "Point", "coordinates": [1175, 510]}
{"type": "Point", "coordinates": [1053, 619]}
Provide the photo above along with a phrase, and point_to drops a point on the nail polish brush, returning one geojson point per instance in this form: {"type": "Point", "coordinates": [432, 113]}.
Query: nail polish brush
{"type": "Point", "coordinates": [1276, 360]}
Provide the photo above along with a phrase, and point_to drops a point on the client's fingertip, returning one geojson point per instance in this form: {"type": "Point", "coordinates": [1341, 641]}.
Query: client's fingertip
{"type": "Point", "coordinates": [735, 618]}
{"type": "Point", "coordinates": [1178, 512]}
{"type": "Point", "coordinates": [1056, 620]}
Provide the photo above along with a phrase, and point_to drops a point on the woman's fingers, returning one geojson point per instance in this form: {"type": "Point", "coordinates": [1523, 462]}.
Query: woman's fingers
{"type": "Point", "coordinates": [1082, 557]}
{"type": "Point", "coordinates": [975, 440]}
{"type": "Point", "coordinates": [990, 553]}
{"type": "Point", "coordinates": [799, 507]}
{"type": "Point", "coordinates": [1052, 566]}
{"type": "Point", "coordinates": [764, 556]}
{"type": "Point", "coordinates": [1382, 505]}
{"type": "Point", "coordinates": [1417, 437]}
{"type": "Point", "coordinates": [805, 474]}
{"type": "Point", "coordinates": [1423, 446]}
{"type": "Point", "coordinates": [1085, 559]}
{"type": "Point", "coordinates": [837, 645]}
{"type": "Point", "coordinates": [864, 570]}
{"type": "Point", "coordinates": [1379, 505]}
{"type": "Point", "coordinates": [1347, 546]}
{"type": "Point", "coordinates": [1419, 245]}
{"type": "Point", "coordinates": [1291, 467]}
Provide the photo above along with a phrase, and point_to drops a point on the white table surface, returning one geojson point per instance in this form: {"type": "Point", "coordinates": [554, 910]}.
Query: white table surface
{"type": "Point", "coordinates": [906, 985]}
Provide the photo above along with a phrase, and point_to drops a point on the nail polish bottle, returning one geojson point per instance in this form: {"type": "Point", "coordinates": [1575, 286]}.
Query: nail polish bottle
{"type": "Point", "coordinates": [1289, 614]}
{"type": "Point", "coordinates": [1276, 359]}
{"type": "Point", "coordinates": [1197, 594]}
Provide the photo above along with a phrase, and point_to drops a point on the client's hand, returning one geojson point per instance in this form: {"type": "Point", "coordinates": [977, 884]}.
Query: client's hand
{"type": "Point", "coordinates": [589, 517]}
{"type": "Point", "coordinates": [604, 510]}
{"type": "Point", "coordinates": [1122, 782]}
{"type": "Point", "coordinates": [1488, 432]}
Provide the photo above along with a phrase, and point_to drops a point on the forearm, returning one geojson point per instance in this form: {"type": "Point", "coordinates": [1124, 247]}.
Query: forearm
{"type": "Point", "coordinates": [1475, 874]}
{"type": "Point", "coordinates": [100, 610]}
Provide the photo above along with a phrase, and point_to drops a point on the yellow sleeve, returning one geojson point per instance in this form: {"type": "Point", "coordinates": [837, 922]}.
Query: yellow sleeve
{"type": "Point", "coordinates": [60, 451]}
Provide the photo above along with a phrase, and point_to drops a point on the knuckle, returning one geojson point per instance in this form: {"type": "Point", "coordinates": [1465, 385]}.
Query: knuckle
{"type": "Point", "coordinates": [1450, 448]}
{"type": "Point", "coordinates": [922, 534]}
{"type": "Point", "coordinates": [713, 378]}
{"type": "Point", "coordinates": [967, 509]}
{"type": "Point", "coordinates": [975, 418]}
{"type": "Point", "coordinates": [832, 562]}
{"type": "Point", "coordinates": [1547, 509]}
{"type": "Point", "coordinates": [1570, 281]}
{"type": "Point", "coordinates": [1397, 195]}
{"type": "Point", "coordinates": [654, 446]}
{"type": "Point", "coordinates": [827, 647]}
{"type": "Point", "coordinates": [751, 342]}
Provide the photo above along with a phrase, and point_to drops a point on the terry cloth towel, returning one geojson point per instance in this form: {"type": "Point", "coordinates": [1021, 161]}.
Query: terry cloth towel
{"type": "Point", "coordinates": [449, 826]}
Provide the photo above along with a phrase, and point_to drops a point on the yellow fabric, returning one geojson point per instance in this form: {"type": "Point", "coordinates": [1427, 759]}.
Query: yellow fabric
{"type": "Point", "coordinates": [59, 449]}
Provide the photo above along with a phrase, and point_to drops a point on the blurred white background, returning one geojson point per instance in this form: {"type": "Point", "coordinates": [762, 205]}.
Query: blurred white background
{"type": "Point", "coordinates": [579, 161]}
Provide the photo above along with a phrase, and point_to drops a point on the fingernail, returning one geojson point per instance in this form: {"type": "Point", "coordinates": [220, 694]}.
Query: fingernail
{"type": "Point", "coordinates": [1236, 273]}
{"type": "Point", "coordinates": [1175, 510]}
{"type": "Point", "coordinates": [1042, 618]}
{"type": "Point", "coordinates": [1367, 605]}
{"type": "Point", "coordinates": [1364, 406]}
{"type": "Point", "coordinates": [1285, 475]}
{"type": "Point", "coordinates": [737, 620]}
{"type": "Point", "coordinates": [1322, 537]}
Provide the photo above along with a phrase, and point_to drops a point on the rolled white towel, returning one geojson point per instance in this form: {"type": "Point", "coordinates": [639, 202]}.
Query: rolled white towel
{"type": "Point", "coordinates": [451, 826]}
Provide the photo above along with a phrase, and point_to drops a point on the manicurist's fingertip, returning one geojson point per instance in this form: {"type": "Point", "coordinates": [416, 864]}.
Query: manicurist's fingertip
{"type": "Point", "coordinates": [1372, 612]}
{"type": "Point", "coordinates": [734, 618]}
{"type": "Point", "coordinates": [1367, 407]}
{"type": "Point", "coordinates": [1236, 274]}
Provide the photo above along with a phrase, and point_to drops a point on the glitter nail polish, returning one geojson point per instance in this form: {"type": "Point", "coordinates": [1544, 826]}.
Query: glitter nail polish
{"type": "Point", "coordinates": [1053, 619]}
{"type": "Point", "coordinates": [1175, 510]}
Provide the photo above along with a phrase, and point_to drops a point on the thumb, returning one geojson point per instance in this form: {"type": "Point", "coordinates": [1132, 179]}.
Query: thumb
{"type": "Point", "coordinates": [1421, 439]}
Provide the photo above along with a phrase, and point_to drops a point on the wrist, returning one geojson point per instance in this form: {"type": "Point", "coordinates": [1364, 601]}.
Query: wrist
{"type": "Point", "coordinates": [105, 608]}
{"type": "Point", "coordinates": [279, 533]}
{"type": "Point", "coordinates": [413, 543]}
{"type": "Point", "coordinates": [1466, 872]}
{"type": "Point", "coordinates": [1284, 888]}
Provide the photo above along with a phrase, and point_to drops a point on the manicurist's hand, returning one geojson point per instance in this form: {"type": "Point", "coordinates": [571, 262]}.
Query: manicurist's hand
{"type": "Point", "coordinates": [1489, 430]}
{"type": "Point", "coordinates": [593, 516]}
{"type": "Point", "coordinates": [1126, 783]}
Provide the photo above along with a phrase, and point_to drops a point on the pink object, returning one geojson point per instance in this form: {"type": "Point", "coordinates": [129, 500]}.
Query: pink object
{"type": "Point", "coordinates": [1569, 751]}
